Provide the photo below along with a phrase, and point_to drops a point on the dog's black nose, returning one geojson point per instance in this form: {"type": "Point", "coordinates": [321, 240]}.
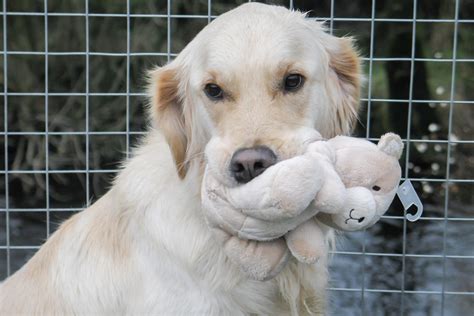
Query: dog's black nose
{"type": "Point", "coordinates": [248, 163]}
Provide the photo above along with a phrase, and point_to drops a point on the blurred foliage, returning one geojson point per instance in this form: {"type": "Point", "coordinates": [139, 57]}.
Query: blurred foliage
{"type": "Point", "coordinates": [107, 74]}
{"type": "Point", "coordinates": [390, 79]}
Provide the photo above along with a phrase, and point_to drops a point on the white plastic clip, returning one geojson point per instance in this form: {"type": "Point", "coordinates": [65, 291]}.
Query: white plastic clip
{"type": "Point", "coordinates": [407, 195]}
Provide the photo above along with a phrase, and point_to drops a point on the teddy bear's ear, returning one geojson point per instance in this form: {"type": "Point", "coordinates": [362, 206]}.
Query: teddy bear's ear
{"type": "Point", "coordinates": [391, 144]}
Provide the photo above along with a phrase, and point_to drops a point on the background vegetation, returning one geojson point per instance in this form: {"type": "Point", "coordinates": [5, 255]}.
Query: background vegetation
{"type": "Point", "coordinates": [107, 113]}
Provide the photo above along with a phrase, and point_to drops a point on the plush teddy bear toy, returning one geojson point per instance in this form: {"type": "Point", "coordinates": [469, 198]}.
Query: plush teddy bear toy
{"type": "Point", "coordinates": [350, 181]}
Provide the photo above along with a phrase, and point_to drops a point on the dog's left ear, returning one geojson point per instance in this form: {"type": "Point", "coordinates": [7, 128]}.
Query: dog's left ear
{"type": "Point", "coordinates": [345, 83]}
{"type": "Point", "coordinates": [168, 113]}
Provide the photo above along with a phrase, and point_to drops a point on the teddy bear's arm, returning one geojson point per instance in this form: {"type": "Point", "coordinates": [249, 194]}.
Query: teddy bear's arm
{"type": "Point", "coordinates": [219, 213]}
{"type": "Point", "coordinates": [331, 195]}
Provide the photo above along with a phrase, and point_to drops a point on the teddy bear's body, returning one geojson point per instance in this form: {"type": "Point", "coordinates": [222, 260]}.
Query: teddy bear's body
{"type": "Point", "coordinates": [351, 182]}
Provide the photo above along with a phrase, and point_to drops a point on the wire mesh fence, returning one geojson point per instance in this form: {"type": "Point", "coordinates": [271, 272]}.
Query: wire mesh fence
{"type": "Point", "coordinates": [73, 107]}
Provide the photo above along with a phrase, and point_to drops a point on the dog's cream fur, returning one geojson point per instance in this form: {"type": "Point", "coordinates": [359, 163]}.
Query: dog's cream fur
{"type": "Point", "coordinates": [144, 247]}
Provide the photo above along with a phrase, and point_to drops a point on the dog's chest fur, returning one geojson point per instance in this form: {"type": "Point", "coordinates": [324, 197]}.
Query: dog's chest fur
{"type": "Point", "coordinates": [145, 248]}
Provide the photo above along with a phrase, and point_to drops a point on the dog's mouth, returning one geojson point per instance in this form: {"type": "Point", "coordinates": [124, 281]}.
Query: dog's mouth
{"type": "Point", "coordinates": [358, 219]}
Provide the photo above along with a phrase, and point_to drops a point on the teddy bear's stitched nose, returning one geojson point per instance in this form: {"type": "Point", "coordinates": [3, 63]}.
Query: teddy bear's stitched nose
{"type": "Point", "coordinates": [361, 219]}
{"type": "Point", "coordinates": [248, 163]}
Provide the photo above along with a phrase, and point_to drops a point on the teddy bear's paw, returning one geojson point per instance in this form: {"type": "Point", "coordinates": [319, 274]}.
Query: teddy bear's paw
{"type": "Point", "coordinates": [218, 213]}
{"type": "Point", "coordinates": [331, 198]}
{"type": "Point", "coordinates": [260, 261]}
{"type": "Point", "coordinates": [307, 242]}
{"type": "Point", "coordinates": [305, 252]}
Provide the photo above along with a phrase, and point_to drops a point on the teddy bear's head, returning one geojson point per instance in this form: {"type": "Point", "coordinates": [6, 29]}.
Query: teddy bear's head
{"type": "Point", "coordinates": [374, 170]}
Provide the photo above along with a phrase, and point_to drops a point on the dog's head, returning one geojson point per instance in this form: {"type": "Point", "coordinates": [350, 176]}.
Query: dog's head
{"type": "Point", "coordinates": [251, 87]}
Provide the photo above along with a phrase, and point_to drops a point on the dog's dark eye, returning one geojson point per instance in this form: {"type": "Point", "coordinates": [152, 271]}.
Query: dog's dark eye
{"type": "Point", "coordinates": [213, 91]}
{"type": "Point", "coordinates": [376, 188]}
{"type": "Point", "coordinates": [293, 82]}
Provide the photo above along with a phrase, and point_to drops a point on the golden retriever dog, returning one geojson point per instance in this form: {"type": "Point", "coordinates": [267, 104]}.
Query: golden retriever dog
{"type": "Point", "coordinates": [256, 79]}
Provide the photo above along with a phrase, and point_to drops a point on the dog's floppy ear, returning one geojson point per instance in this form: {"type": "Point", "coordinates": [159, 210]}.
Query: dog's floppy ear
{"type": "Point", "coordinates": [167, 112]}
{"type": "Point", "coordinates": [345, 82]}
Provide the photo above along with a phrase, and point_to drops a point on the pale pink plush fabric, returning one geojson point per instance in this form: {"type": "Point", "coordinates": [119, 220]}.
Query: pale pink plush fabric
{"type": "Point", "coordinates": [345, 182]}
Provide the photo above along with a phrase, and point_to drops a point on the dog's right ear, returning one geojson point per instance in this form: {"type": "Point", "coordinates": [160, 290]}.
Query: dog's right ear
{"type": "Point", "coordinates": [167, 113]}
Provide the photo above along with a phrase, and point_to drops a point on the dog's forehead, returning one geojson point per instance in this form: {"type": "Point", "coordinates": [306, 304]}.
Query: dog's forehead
{"type": "Point", "coordinates": [254, 35]}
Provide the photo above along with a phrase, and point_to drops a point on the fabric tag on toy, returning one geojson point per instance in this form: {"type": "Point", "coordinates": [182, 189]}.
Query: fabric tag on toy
{"type": "Point", "coordinates": [408, 196]}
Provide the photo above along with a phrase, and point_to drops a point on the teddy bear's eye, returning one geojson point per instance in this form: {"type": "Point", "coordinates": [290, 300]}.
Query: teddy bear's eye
{"type": "Point", "coordinates": [376, 188]}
